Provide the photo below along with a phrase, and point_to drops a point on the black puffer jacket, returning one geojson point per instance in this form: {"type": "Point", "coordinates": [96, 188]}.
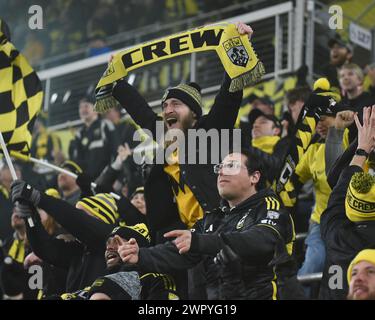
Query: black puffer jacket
{"type": "Point", "coordinates": [254, 230]}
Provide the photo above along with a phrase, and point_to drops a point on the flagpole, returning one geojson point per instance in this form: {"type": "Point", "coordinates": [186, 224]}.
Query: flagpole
{"type": "Point", "coordinates": [56, 168]}
{"type": "Point", "coordinates": [7, 157]}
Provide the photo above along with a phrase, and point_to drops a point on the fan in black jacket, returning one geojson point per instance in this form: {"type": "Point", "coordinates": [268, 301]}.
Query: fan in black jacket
{"type": "Point", "coordinates": [244, 243]}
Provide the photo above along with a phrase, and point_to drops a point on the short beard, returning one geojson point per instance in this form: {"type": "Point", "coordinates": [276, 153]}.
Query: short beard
{"type": "Point", "coordinates": [371, 296]}
{"type": "Point", "coordinates": [114, 269]}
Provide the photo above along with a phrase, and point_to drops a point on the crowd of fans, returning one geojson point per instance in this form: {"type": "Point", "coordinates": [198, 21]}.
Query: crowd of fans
{"type": "Point", "coordinates": [71, 25]}
{"type": "Point", "coordinates": [202, 231]}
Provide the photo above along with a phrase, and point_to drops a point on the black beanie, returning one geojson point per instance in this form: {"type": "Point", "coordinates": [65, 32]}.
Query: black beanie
{"type": "Point", "coordinates": [190, 94]}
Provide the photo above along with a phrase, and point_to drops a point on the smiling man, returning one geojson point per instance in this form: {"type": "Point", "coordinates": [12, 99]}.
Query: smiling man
{"type": "Point", "coordinates": [361, 276]}
{"type": "Point", "coordinates": [177, 195]}
{"type": "Point", "coordinates": [240, 243]}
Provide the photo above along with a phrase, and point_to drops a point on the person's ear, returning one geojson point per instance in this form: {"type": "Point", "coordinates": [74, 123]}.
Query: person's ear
{"type": "Point", "coordinates": [255, 177]}
{"type": "Point", "coordinates": [276, 131]}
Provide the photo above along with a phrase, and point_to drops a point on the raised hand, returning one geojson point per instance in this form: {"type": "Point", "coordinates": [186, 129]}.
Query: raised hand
{"type": "Point", "coordinates": [366, 131]}
{"type": "Point", "coordinates": [344, 119]}
{"type": "Point", "coordinates": [20, 190]}
{"type": "Point", "coordinates": [243, 28]}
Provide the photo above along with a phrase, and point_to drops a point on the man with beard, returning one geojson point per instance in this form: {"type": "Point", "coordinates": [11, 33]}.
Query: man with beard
{"type": "Point", "coordinates": [341, 52]}
{"type": "Point", "coordinates": [125, 285]}
{"type": "Point", "coordinates": [361, 276]}
{"type": "Point", "coordinates": [118, 284]}
{"type": "Point", "coordinates": [179, 194]}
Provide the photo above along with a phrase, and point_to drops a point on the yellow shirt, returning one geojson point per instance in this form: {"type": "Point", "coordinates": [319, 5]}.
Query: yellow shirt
{"type": "Point", "coordinates": [188, 207]}
{"type": "Point", "coordinates": [266, 143]}
{"type": "Point", "coordinates": [312, 166]}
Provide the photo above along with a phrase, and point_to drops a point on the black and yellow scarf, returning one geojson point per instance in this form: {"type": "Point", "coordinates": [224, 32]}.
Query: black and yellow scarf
{"type": "Point", "coordinates": [234, 50]}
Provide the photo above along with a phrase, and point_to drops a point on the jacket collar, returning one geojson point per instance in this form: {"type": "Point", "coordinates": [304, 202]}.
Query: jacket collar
{"type": "Point", "coordinates": [249, 203]}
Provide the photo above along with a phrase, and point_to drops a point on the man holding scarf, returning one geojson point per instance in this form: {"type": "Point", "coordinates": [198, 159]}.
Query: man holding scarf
{"type": "Point", "coordinates": [180, 194]}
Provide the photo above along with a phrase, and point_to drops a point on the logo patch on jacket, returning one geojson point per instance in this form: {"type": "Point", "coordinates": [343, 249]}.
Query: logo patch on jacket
{"type": "Point", "coordinates": [242, 221]}
{"type": "Point", "coordinates": [273, 215]}
{"type": "Point", "coordinates": [210, 228]}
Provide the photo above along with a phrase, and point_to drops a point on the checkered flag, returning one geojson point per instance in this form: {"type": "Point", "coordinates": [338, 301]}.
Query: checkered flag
{"type": "Point", "coordinates": [21, 95]}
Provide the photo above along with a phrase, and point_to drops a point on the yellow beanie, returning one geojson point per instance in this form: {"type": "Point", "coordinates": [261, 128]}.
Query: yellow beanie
{"type": "Point", "coordinates": [364, 255]}
{"type": "Point", "coordinates": [102, 206]}
{"type": "Point", "coordinates": [360, 198]}
{"type": "Point", "coordinates": [53, 193]}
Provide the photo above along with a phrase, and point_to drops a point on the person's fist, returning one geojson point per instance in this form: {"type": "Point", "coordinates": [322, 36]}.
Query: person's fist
{"type": "Point", "coordinates": [344, 119]}
{"type": "Point", "coordinates": [22, 191]}
{"type": "Point", "coordinates": [31, 260]}
{"type": "Point", "coordinates": [243, 28]}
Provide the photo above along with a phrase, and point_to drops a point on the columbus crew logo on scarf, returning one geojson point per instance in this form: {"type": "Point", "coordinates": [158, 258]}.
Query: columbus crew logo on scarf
{"type": "Point", "coordinates": [236, 52]}
{"type": "Point", "coordinates": [21, 95]}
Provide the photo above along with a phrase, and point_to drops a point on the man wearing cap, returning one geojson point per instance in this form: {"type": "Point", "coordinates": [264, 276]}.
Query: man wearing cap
{"type": "Point", "coordinates": [266, 141]}
{"type": "Point", "coordinates": [347, 225]}
{"type": "Point", "coordinates": [178, 195]}
{"type": "Point", "coordinates": [361, 276]}
{"type": "Point", "coordinates": [120, 284]}
{"type": "Point", "coordinates": [341, 52]}
{"type": "Point", "coordinates": [95, 144]}
{"type": "Point", "coordinates": [67, 185]}
{"type": "Point", "coordinates": [258, 104]}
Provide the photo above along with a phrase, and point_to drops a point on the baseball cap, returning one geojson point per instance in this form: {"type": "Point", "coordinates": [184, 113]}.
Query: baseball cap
{"type": "Point", "coordinates": [337, 40]}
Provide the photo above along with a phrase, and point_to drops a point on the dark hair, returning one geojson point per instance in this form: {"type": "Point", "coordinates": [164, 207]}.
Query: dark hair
{"type": "Point", "coordinates": [254, 163]}
{"type": "Point", "coordinates": [298, 94]}
{"type": "Point", "coordinates": [87, 98]}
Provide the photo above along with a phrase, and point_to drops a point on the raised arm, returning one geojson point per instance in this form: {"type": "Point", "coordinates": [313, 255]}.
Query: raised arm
{"type": "Point", "coordinates": [89, 230]}
{"type": "Point", "coordinates": [45, 246]}
{"type": "Point", "coordinates": [335, 215]}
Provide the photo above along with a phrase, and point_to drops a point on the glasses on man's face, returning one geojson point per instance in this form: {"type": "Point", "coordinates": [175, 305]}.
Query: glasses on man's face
{"type": "Point", "coordinates": [231, 167]}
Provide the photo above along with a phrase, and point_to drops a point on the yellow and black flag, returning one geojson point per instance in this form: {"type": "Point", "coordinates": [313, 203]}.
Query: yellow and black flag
{"type": "Point", "coordinates": [21, 95]}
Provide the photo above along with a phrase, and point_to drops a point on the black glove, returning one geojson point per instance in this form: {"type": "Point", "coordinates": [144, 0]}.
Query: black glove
{"type": "Point", "coordinates": [84, 182]}
{"type": "Point", "coordinates": [21, 191]}
{"type": "Point", "coordinates": [318, 105]}
{"type": "Point", "coordinates": [24, 210]}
